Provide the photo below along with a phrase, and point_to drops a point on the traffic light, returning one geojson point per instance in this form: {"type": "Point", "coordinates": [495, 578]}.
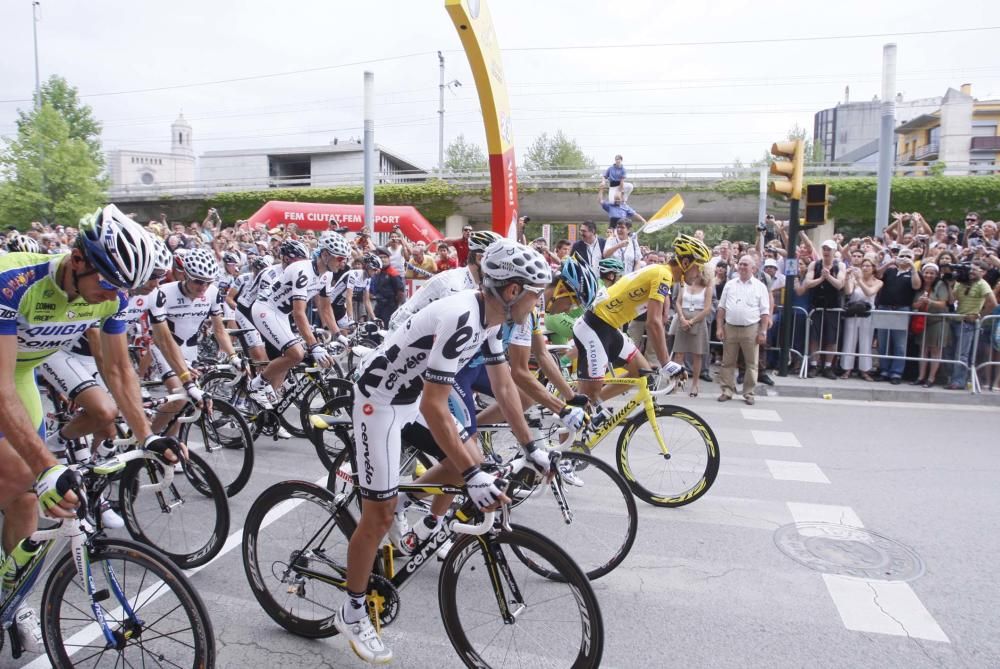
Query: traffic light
{"type": "Point", "coordinates": [817, 200]}
{"type": "Point", "coordinates": [789, 164]}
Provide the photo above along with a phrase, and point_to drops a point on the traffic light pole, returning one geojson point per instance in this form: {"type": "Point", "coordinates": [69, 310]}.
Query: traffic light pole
{"type": "Point", "coordinates": [791, 270]}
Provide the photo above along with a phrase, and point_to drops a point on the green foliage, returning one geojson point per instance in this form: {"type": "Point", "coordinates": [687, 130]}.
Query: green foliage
{"type": "Point", "coordinates": [49, 175]}
{"type": "Point", "coordinates": [936, 169]}
{"type": "Point", "coordinates": [79, 117]}
{"type": "Point", "coordinates": [556, 153]}
{"type": "Point", "coordinates": [463, 156]}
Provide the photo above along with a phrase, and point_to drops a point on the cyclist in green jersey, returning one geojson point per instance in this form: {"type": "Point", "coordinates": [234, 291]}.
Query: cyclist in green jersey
{"type": "Point", "coordinates": [47, 301]}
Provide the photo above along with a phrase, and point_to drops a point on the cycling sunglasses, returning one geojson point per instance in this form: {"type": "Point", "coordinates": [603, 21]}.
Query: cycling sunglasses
{"type": "Point", "coordinates": [103, 283]}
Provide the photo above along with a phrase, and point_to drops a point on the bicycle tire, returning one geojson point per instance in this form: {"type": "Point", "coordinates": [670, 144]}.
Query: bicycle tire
{"type": "Point", "coordinates": [315, 399]}
{"type": "Point", "coordinates": [165, 612]}
{"type": "Point", "coordinates": [272, 543]}
{"type": "Point", "coordinates": [547, 610]}
{"type": "Point", "coordinates": [226, 444]}
{"type": "Point", "coordinates": [693, 461]}
{"type": "Point", "coordinates": [329, 444]}
{"type": "Point", "coordinates": [605, 518]}
{"type": "Point", "coordinates": [197, 517]}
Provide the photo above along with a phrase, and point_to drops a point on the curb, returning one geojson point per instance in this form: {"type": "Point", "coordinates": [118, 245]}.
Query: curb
{"type": "Point", "coordinates": [881, 393]}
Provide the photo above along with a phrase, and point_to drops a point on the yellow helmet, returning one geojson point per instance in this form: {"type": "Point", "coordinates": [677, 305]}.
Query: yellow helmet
{"type": "Point", "coordinates": [691, 248]}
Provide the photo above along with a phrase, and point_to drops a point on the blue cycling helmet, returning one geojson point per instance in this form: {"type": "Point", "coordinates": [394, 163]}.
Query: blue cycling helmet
{"type": "Point", "coordinates": [579, 277]}
{"type": "Point", "coordinates": [117, 247]}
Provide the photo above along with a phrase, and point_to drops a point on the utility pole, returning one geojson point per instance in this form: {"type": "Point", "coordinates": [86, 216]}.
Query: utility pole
{"type": "Point", "coordinates": [886, 145]}
{"type": "Point", "coordinates": [441, 86]}
{"type": "Point", "coordinates": [369, 152]}
{"type": "Point", "coordinates": [34, 29]}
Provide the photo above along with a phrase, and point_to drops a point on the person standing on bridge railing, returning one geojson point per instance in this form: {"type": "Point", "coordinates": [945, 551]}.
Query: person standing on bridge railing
{"type": "Point", "coordinates": [614, 180]}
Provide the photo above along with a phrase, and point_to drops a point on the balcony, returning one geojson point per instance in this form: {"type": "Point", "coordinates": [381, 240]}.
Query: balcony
{"type": "Point", "coordinates": [926, 152]}
{"type": "Point", "coordinates": [986, 143]}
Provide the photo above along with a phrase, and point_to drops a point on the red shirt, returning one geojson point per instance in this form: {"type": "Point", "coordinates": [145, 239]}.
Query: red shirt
{"type": "Point", "coordinates": [462, 249]}
{"type": "Point", "coordinates": [447, 263]}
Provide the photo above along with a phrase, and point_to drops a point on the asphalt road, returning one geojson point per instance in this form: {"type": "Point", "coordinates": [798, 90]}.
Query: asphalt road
{"type": "Point", "coordinates": [706, 585]}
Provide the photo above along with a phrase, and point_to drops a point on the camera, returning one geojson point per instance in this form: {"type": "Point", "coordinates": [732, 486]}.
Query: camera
{"type": "Point", "coordinates": [762, 226]}
{"type": "Point", "coordinates": [961, 272]}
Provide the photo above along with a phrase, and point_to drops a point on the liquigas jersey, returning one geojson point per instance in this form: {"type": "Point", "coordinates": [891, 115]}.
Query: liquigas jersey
{"type": "Point", "coordinates": [34, 307]}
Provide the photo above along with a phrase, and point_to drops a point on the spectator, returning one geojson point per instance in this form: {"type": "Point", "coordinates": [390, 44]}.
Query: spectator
{"type": "Point", "coordinates": [994, 338]}
{"type": "Point", "coordinates": [614, 179]}
{"type": "Point", "coordinates": [742, 322]}
{"type": "Point", "coordinates": [724, 256]}
{"type": "Point", "coordinates": [935, 298]}
{"type": "Point", "coordinates": [542, 247]}
{"type": "Point", "coordinates": [445, 259]}
{"type": "Point", "coordinates": [825, 282]}
{"type": "Point", "coordinates": [690, 324]}
{"type": "Point", "coordinates": [387, 289]}
{"type": "Point", "coordinates": [421, 265]}
{"type": "Point", "coordinates": [563, 247]}
{"type": "Point", "coordinates": [624, 246]}
{"type": "Point", "coordinates": [399, 251]}
{"type": "Point", "coordinates": [521, 236]}
{"type": "Point", "coordinates": [590, 247]}
{"type": "Point", "coordinates": [721, 271]}
{"type": "Point", "coordinates": [971, 228]}
{"type": "Point", "coordinates": [900, 283]}
{"type": "Point", "coordinates": [461, 245]}
{"type": "Point", "coordinates": [974, 299]}
{"type": "Point", "coordinates": [861, 287]}
{"type": "Point", "coordinates": [617, 209]}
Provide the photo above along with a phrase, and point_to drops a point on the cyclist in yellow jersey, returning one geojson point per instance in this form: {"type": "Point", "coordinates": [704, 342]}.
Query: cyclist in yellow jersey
{"type": "Point", "coordinates": [598, 334]}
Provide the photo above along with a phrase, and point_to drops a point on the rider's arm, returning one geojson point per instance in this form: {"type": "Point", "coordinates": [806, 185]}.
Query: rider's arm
{"type": "Point", "coordinates": [547, 363]}
{"type": "Point", "coordinates": [506, 395]}
{"type": "Point", "coordinates": [14, 421]}
{"type": "Point", "coordinates": [368, 304]}
{"type": "Point", "coordinates": [231, 297]}
{"type": "Point", "coordinates": [93, 336]}
{"type": "Point", "coordinates": [120, 377]}
{"type": "Point", "coordinates": [434, 409]}
{"type": "Point", "coordinates": [325, 311]}
{"type": "Point", "coordinates": [526, 381]}
{"type": "Point", "coordinates": [349, 301]}
{"type": "Point", "coordinates": [168, 347]}
{"type": "Point", "coordinates": [655, 331]}
{"type": "Point", "coordinates": [221, 336]}
{"type": "Point", "coordinates": [302, 322]}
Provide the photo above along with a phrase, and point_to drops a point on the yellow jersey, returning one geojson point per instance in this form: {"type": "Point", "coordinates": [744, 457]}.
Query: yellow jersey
{"type": "Point", "coordinates": [629, 296]}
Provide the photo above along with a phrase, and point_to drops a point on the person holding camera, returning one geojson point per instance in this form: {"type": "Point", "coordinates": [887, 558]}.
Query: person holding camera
{"type": "Point", "coordinates": [825, 283]}
{"type": "Point", "coordinates": [974, 299]}
{"type": "Point", "coordinates": [861, 286]}
{"type": "Point", "coordinates": [936, 298]}
{"type": "Point", "coordinates": [900, 285]}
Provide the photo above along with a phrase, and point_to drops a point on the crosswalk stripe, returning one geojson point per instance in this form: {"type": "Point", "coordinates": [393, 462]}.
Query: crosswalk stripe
{"type": "Point", "coordinates": [824, 513]}
{"type": "Point", "coordinates": [785, 470]}
{"type": "Point", "coordinates": [775, 438]}
{"type": "Point", "coordinates": [882, 607]}
{"type": "Point", "coordinates": [769, 415]}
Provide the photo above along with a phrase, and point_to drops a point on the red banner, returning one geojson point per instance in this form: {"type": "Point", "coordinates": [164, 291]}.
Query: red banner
{"type": "Point", "coordinates": [503, 183]}
{"type": "Point", "coordinates": [318, 216]}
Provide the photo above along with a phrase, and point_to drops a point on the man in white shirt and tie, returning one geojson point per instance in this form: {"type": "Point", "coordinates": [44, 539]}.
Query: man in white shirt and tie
{"type": "Point", "coordinates": [743, 319]}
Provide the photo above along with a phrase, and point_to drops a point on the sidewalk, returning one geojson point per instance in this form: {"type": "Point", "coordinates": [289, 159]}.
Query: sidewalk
{"type": "Point", "coordinates": [856, 389]}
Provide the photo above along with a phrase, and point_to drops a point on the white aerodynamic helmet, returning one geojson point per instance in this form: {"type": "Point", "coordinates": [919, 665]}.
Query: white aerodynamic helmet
{"type": "Point", "coordinates": [23, 244]}
{"type": "Point", "coordinates": [335, 244]}
{"type": "Point", "coordinates": [201, 264]}
{"type": "Point", "coordinates": [117, 247]}
{"type": "Point", "coordinates": [508, 261]}
{"type": "Point", "coordinates": [164, 258]}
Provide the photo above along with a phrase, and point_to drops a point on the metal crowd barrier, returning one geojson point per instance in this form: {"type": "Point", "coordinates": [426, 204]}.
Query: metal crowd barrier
{"type": "Point", "coordinates": [884, 319]}
{"type": "Point", "coordinates": [986, 324]}
{"type": "Point", "coordinates": [774, 334]}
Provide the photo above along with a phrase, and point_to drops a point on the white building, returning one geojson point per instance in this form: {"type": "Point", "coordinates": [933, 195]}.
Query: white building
{"type": "Point", "coordinates": [136, 171]}
{"type": "Point", "coordinates": [336, 163]}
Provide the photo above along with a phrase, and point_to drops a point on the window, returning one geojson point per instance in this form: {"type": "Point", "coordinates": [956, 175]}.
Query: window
{"type": "Point", "coordinates": [982, 167]}
{"type": "Point", "coordinates": [147, 179]}
{"type": "Point", "coordinates": [984, 130]}
{"type": "Point", "coordinates": [934, 135]}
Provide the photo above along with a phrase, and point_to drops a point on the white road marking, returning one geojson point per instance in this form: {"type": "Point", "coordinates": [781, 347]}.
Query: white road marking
{"type": "Point", "coordinates": [775, 438]}
{"type": "Point", "coordinates": [824, 513]}
{"type": "Point", "coordinates": [882, 607]}
{"type": "Point", "coordinates": [785, 470]}
{"type": "Point", "coordinates": [769, 415]}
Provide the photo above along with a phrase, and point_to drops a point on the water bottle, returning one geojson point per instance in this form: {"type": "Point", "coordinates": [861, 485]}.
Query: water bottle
{"type": "Point", "coordinates": [16, 560]}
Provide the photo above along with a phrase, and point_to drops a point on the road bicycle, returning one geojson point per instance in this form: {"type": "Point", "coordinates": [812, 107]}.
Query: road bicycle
{"type": "Point", "coordinates": [109, 602]}
{"type": "Point", "coordinates": [491, 596]}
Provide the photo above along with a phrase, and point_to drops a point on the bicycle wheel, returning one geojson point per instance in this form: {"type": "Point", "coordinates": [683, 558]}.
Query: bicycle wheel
{"type": "Point", "coordinates": [312, 400]}
{"type": "Point", "coordinates": [170, 626]}
{"type": "Point", "coordinates": [598, 525]}
{"type": "Point", "coordinates": [293, 527]}
{"type": "Point", "coordinates": [675, 478]}
{"type": "Point", "coordinates": [334, 441]}
{"type": "Point", "coordinates": [412, 464]}
{"type": "Point", "coordinates": [188, 520]}
{"type": "Point", "coordinates": [222, 437]}
{"type": "Point", "coordinates": [554, 623]}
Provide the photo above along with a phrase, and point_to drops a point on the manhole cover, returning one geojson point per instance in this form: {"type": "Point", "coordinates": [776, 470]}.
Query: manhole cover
{"type": "Point", "coordinates": [848, 551]}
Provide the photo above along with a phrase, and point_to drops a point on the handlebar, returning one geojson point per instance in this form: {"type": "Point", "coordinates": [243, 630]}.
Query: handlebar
{"type": "Point", "coordinates": [478, 529]}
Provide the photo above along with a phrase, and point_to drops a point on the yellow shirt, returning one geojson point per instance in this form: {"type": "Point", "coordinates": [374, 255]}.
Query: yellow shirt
{"type": "Point", "coordinates": [631, 293]}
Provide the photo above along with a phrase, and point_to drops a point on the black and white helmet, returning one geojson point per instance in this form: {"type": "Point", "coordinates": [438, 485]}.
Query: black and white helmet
{"type": "Point", "coordinates": [480, 240]}
{"type": "Point", "coordinates": [507, 261]}
{"type": "Point", "coordinates": [22, 244]}
{"type": "Point", "coordinates": [372, 261]}
{"type": "Point", "coordinates": [335, 244]}
{"type": "Point", "coordinates": [201, 264]}
{"type": "Point", "coordinates": [164, 258]}
{"type": "Point", "coordinates": [293, 248]}
{"type": "Point", "coordinates": [230, 257]}
{"type": "Point", "coordinates": [258, 263]}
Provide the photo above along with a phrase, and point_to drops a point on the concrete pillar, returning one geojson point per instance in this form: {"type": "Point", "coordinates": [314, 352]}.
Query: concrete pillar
{"type": "Point", "coordinates": [820, 234]}
{"type": "Point", "coordinates": [453, 225]}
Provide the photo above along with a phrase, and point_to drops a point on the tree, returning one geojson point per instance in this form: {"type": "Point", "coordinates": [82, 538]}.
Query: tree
{"type": "Point", "coordinates": [79, 117]}
{"type": "Point", "coordinates": [48, 174]}
{"type": "Point", "coordinates": [556, 153]}
{"type": "Point", "coordinates": [812, 152]}
{"type": "Point", "coordinates": [463, 156]}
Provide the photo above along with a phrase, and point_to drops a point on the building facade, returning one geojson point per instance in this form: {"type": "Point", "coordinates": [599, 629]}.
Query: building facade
{"type": "Point", "coordinates": [135, 171]}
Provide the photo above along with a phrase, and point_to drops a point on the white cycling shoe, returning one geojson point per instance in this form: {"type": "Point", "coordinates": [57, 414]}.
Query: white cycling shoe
{"type": "Point", "coordinates": [109, 518]}
{"type": "Point", "coordinates": [282, 433]}
{"type": "Point", "coordinates": [364, 640]}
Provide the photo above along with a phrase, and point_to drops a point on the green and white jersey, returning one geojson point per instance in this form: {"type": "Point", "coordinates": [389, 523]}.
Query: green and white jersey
{"type": "Point", "coordinates": [35, 308]}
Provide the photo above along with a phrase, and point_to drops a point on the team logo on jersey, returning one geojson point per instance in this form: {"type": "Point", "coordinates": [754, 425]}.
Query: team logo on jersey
{"type": "Point", "coordinates": [19, 280]}
{"type": "Point", "coordinates": [70, 313]}
{"type": "Point", "coordinates": [368, 409]}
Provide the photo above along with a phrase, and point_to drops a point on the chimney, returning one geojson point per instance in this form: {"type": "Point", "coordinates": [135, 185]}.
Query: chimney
{"type": "Point", "coordinates": [967, 89]}
{"type": "Point", "coordinates": [847, 94]}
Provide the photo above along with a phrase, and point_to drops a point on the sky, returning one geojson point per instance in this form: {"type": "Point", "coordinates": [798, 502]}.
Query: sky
{"type": "Point", "coordinates": [662, 82]}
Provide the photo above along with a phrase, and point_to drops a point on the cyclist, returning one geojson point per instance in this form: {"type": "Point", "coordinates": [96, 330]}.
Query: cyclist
{"type": "Point", "coordinates": [178, 311]}
{"type": "Point", "coordinates": [241, 297]}
{"type": "Point", "coordinates": [450, 281]}
{"type": "Point", "coordinates": [610, 270]}
{"type": "Point", "coordinates": [302, 279]}
{"type": "Point", "coordinates": [22, 244]}
{"type": "Point", "coordinates": [230, 271]}
{"type": "Point", "coordinates": [598, 334]}
{"type": "Point", "coordinates": [46, 301]}
{"type": "Point", "coordinates": [411, 374]}
{"type": "Point", "coordinates": [352, 284]}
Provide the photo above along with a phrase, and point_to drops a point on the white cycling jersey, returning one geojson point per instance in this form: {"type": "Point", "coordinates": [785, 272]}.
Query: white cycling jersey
{"type": "Point", "coordinates": [433, 345]}
{"type": "Point", "coordinates": [247, 285]}
{"type": "Point", "coordinates": [184, 315]}
{"type": "Point", "coordinates": [440, 285]}
{"type": "Point", "coordinates": [355, 280]}
{"type": "Point", "coordinates": [299, 281]}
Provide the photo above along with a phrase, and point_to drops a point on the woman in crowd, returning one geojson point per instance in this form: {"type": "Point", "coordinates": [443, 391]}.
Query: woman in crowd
{"type": "Point", "coordinates": [861, 288]}
{"type": "Point", "coordinates": [801, 305]}
{"type": "Point", "coordinates": [934, 299]}
{"type": "Point", "coordinates": [690, 324]}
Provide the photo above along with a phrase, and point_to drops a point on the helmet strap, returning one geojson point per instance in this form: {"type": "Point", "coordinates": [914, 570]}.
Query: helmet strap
{"type": "Point", "coordinates": [507, 313]}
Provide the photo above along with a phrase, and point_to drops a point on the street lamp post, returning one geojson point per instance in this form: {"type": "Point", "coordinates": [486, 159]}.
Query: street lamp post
{"type": "Point", "coordinates": [34, 29]}
{"type": "Point", "coordinates": [441, 86]}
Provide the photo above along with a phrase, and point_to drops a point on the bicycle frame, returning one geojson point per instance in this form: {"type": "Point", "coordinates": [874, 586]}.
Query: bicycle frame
{"type": "Point", "coordinates": [643, 398]}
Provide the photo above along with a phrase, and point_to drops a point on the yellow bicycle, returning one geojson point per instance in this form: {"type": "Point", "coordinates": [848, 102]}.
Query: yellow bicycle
{"type": "Point", "coordinates": [667, 454]}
